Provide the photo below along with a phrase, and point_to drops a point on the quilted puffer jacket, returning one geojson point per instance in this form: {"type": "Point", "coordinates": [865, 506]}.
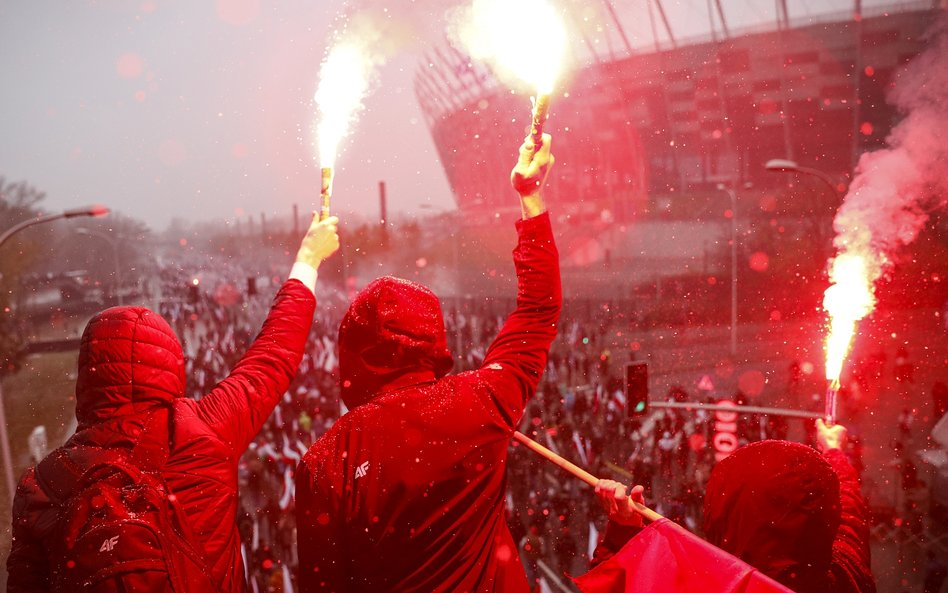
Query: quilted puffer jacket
{"type": "Point", "coordinates": [130, 364]}
{"type": "Point", "coordinates": [405, 493]}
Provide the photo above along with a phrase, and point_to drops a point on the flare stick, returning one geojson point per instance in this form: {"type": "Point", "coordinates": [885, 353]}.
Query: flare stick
{"type": "Point", "coordinates": [577, 471]}
{"type": "Point", "coordinates": [325, 193]}
{"type": "Point", "coordinates": [541, 109]}
{"type": "Point", "coordinates": [831, 392]}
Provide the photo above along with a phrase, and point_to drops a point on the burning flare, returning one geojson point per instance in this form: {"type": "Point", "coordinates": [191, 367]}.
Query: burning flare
{"type": "Point", "coordinates": [510, 33]}
{"type": "Point", "coordinates": [525, 39]}
{"type": "Point", "coordinates": [343, 82]}
{"type": "Point", "coordinates": [848, 299]}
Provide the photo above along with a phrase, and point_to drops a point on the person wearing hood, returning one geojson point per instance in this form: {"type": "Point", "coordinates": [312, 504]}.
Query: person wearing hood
{"type": "Point", "coordinates": [793, 514]}
{"type": "Point", "coordinates": [406, 491]}
{"type": "Point", "coordinates": [130, 399]}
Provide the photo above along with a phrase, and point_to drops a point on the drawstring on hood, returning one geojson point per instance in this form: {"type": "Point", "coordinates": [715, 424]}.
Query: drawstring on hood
{"type": "Point", "coordinates": [393, 332]}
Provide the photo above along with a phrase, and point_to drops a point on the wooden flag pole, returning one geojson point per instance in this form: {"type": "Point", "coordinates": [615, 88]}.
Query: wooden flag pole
{"type": "Point", "coordinates": [577, 471]}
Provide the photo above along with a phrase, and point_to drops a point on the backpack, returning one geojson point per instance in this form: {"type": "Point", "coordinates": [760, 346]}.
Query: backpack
{"type": "Point", "coordinates": [119, 527]}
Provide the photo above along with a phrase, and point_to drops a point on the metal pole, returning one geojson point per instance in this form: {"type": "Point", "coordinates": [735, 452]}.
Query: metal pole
{"type": "Point", "coordinates": [735, 408]}
{"type": "Point", "coordinates": [5, 446]}
{"type": "Point", "coordinates": [822, 176]}
{"type": "Point", "coordinates": [733, 196]}
{"type": "Point", "coordinates": [857, 79]}
{"type": "Point", "coordinates": [4, 437]}
{"type": "Point", "coordinates": [113, 243]}
{"type": "Point", "coordinates": [791, 166]}
{"type": "Point", "coordinates": [118, 272]}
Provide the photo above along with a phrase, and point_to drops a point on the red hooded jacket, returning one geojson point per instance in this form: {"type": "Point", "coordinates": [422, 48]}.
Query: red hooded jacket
{"type": "Point", "coordinates": [406, 492]}
{"type": "Point", "coordinates": [793, 514]}
{"type": "Point", "coordinates": [796, 515]}
{"type": "Point", "coordinates": [130, 364]}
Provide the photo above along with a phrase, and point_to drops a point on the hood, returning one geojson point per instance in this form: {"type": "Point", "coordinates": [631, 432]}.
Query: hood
{"type": "Point", "coordinates": [129, 361]}
{"type": "Point", "coordinates": [393, 332]}
{"type": "Point", "coordinates": [775, 505]}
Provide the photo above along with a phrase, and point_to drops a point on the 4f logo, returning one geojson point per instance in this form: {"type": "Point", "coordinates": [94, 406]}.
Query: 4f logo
{"type": "Point", "coordinates": [362, 470]}
{"type": "Point", "coordinates": [109, 544]}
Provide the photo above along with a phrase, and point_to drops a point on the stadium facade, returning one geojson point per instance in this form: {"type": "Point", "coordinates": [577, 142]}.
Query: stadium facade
{"type": "Point", "coordinates": [682, 118]}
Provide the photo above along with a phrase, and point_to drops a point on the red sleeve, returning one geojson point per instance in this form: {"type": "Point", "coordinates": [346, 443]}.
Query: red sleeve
{"type": "Point", "coordinates": [319, 535]}
{"type": "Point", "coordinates": [851, 562]}
{"type": "Point", "coordinates": [27, 567]}
{"type": "Point", "coordinates": [238, 406]}
{"type": "Point", "coordinates": [612, 541]}
{"type": "Point", "coordinates": [520, 350]}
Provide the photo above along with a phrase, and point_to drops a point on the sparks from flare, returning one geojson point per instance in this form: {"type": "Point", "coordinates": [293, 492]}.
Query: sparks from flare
{"type": "Point", "coordinates": [848, 299]}
{"type": "Point", "coordinates": [525, 39]}
{"type": "Point", "coordinates": [343, 83]}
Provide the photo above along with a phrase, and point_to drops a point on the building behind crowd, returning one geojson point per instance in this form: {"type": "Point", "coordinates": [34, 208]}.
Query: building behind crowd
{"type": "Point", "coordinates": [681, 116]}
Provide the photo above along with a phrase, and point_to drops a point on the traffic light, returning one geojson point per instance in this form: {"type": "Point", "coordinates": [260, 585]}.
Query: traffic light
{"type": "Point", "coordinates": [636, 388]}
{"type": "Point", "coordinates": [194, 290]}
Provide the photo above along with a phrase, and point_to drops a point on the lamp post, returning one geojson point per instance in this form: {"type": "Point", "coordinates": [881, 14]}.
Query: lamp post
{"type": "Point", "coordinates": [115, 258]}
{"type": "Point", "coordinates": [733, 196]}
{"type": "Point", "coordinates": [788, 166]}
{"type": "Point", "coordinates": [4, 436]}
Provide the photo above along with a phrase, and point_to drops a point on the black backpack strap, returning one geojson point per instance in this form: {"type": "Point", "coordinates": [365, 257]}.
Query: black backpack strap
{"type": "Point", "coordinates": [57, 486]}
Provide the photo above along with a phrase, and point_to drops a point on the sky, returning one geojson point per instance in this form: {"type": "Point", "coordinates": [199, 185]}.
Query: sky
{"type": "Point", "coordinates": [202, 109]}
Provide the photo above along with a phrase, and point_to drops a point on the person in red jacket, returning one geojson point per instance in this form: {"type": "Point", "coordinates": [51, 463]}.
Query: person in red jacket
{"type": "Point", "coordinates": [406, 491]}
{"type": "Point", "coordinates": [131, 369]}
{"type": "Point", "coordinates": [795, 515]}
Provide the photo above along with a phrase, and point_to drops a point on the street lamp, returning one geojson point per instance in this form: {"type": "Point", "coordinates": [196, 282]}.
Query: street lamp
{"type": "Point", "coordinates": [788, 166]}
{"type": "Point", "coordinates": [97, 211]}
{"type": "Point", "coordinates": [115, 257]}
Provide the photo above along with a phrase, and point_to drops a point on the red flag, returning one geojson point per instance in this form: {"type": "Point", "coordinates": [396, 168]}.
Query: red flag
{"type": "Point", "coordinates": [668, 558]}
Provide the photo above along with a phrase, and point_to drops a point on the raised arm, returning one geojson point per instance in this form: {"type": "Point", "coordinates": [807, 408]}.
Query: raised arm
{"type": "Point", "coordinates": [851, 556]}
{"type": "Point", "coordinates": [523, 343]}
{"type": "Point", "coordinates": [238, 406]}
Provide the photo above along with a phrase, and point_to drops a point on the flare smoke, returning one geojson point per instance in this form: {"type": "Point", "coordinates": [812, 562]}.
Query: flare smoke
{"type": "Point", "coordinates": [895, 187]}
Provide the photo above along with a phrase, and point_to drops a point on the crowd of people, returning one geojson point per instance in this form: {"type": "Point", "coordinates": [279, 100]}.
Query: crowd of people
{"type": "Point", "coordinates": [579, 412]}
{"type": "Point", "coordinates": [446, 501]}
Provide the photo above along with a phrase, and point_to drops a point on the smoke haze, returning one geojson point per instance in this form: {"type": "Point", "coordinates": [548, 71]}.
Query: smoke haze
{"type": "Point", "coordinates": [895, 188]}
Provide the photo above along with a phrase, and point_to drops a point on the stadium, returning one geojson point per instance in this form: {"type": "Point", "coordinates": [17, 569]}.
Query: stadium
{"type": "Point", "coordinates": [662, 133]}
{"type": "Point", "coordinates": [684, 115]}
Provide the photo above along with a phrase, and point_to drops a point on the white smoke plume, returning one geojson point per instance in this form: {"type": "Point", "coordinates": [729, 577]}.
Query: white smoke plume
{"type": "Point", "coordinates": [895, 188]}
{"type": "Point", "coordinates": [365, 36]}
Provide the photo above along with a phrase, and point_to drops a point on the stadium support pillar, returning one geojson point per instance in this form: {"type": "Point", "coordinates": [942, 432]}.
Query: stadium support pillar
{"type": "Point", "coordinates": [857, 78]}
